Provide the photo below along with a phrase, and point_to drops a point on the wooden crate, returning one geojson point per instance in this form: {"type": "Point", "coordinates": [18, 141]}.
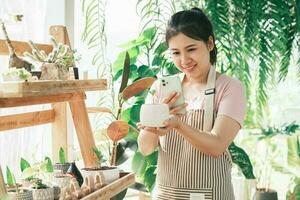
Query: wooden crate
{"type": "Point", "coordinates": [109, 191]}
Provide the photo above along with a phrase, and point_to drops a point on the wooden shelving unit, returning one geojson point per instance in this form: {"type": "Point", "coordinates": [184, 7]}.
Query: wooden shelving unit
{"type": "Point", "coordinates": [109, 191]}
{"type": "Point", "coordinates": [58, 94]}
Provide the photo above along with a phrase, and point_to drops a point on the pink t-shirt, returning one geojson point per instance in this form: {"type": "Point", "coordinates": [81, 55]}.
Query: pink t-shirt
{"type": "Point", "coordinates": [230, 98]}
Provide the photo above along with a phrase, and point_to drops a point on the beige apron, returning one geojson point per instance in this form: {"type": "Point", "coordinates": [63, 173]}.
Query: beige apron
{"type": "Point", "coordinates": [185, 172]}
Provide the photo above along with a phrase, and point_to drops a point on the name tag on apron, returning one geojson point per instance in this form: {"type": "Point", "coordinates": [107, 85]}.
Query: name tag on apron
{"type": "Point", "coordinates": [197, 196]}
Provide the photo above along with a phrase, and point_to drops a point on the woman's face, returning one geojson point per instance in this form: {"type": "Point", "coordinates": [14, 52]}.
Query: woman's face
{"type": "Point", "coordinates": [191, 56]}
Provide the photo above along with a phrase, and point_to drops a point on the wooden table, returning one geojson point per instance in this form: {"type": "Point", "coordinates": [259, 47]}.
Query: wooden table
{"type": "Point", "coordinates": [13, 94]}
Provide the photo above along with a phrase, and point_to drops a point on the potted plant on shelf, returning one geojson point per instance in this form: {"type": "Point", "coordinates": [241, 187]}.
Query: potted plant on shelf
{"type": "Point", "coordinates": [110, 173]}
{"type": "Point", "coordinates": [14, 190]}
{"type": "Point", "coordinates": [57, 64]}
{"type": "Point", "coordinates": [39, 172]}
{"type": "Point", "coordinates": [16, 74]}
{"type": "Point", "coordinates": [62, 165]}
{"type": "Point", "coordinates": [271, 159]}
{"type": "Point", "coordinates": [14, 60]}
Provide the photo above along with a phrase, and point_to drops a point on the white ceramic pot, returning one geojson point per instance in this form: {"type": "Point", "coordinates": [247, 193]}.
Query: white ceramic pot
{"type": "Point", "coordinates": [43, 194]}
{"type": "Point", "coordinates": [23, 194]}
{"type": "Point", "coordinates": [244, 188]}
{"type": "Point", "coordinates": [153, 115]}
{"type": "Point", "coordinates": [8, 78]}
{"type": "Point", "coordinates": [110, 173]}
{"type": "Point", "coordinates": [62, 180]}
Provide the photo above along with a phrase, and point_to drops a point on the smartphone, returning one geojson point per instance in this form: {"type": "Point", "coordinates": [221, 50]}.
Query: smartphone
{"type": "Point", "coordinates": [171, 84]}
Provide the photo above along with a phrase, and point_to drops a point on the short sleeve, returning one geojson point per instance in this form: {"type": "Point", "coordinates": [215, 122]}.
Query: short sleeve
{"type": "Point", "coordinates": [152, 97]}
{"type": "Point", "coordinates": [233, 101]}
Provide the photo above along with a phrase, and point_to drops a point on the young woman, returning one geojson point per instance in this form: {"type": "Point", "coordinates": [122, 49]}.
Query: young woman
{"type": "Point", "coordinates": [193, 161]}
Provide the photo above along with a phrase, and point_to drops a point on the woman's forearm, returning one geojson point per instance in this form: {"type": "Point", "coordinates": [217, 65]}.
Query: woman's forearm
{"type": "Point", "coordinates": [147, 142]}
{"type": "Point", "coordinates": [206, 142]}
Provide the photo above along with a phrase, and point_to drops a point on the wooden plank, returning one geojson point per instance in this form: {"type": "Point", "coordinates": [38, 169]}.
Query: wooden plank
{"type": "Point", "coordinates": [21, 47]}
{"type": "Point", "coordinates": [2, 185]}
{"type": "Point", "coordinates": [59, 131]}
{"type": "Point", "coordinates": [112, 189]}
{"type": "Point", "coordinates": [60, 33]}
{"type": "Point", "coordinates": [84, 132]}
{"type": "Point", "coordinates": [25, 101]}
{"type": "Point", "coordinates": [26, 119]}
{"type": "Point", "coordinates": [39, 88]}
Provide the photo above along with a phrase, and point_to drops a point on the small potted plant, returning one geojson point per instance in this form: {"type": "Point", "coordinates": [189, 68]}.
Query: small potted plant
{"type": "Point", "coordinates": [15, 191]}
{"type": "Point", "coordinates": [62, 165]}
{"type": "Point", "coordinates": [57, 64]}
{"type": "Point", "coordinates": [15, 74]}
{"type": "Point", "coordinates": [39, 172]}
{"type": "Point", "coordinates": [110, 173]}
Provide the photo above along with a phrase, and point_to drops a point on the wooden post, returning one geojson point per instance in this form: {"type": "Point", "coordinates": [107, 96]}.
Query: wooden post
{"type": "Point", "coordinates": [59, 127]}
{"type": "Point", "coordinates": [84, 132]}
{"type": "Point", "coordinates": [2, 185]}
{"type": "Point", "coordinates": [59, 131]}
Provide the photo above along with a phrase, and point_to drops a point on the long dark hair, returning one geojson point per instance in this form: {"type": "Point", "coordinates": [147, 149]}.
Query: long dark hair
{"type": "Point", "coordinates": [194, 24]}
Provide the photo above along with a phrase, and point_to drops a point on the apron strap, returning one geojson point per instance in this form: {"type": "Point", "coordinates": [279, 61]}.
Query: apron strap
{"type": "Point", "coordinates": [209, 99]}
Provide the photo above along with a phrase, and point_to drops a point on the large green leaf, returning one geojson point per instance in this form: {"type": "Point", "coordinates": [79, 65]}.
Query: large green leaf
{"type": "Point", "coordinates": [145, 71]}
{"type": "Point", "coordinates": [119, 63]}
{"type": "Point", "coordinates": [125, 74]}
{"type": "Point", "coordinates": [62, 159]}
{"type": "Point", "coordinates": [49, 165]}
{"type": "Point", "coordinates": [150, 177]}
{"type": "Point", "coordinates": [24, 164]}
{"type": "Point", "coordinates": [11, 181]}
{"type": "Point", "coordinates": [240, 157]}
{"type": "Point", "coordinates": [138, 162]}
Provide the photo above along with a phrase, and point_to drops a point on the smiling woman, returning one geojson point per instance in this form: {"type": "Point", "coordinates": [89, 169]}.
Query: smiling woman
{"type": "Point", "coordinates": [193, 160]}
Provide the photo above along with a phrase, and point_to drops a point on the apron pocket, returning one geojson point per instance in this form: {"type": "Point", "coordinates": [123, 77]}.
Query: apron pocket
{"type": "Point", "coordinates": [202, 194]}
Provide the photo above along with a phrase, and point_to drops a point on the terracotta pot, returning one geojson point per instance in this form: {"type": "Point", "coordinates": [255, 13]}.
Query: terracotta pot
{"type": "Point", "coordinates": [110, 173]}
{"type": "Point", "coordinates": [261, 194]}
{"type": "Point", "coordinates": [24, 194]}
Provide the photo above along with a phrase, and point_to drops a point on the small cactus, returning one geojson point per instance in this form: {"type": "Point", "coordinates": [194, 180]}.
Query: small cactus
{"type": "Point", "coordinates": [61, 55]}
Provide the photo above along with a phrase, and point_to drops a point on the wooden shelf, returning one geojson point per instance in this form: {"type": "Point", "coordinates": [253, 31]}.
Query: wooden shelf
{"type": "Point", "coordinates": [39, 88]}
{"type": "Point", "coordinates": [109, 191]}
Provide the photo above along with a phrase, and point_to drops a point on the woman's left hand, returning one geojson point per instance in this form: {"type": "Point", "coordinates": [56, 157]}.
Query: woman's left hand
{"type": "Point", "coordinates": [172, 122]}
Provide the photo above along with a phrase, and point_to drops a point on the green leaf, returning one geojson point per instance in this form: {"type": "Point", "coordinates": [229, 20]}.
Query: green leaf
{"type": "Point", "coordinates": [135, 113]}
{"type": "Point", "coordinates": [120, 196]}
{"type": "Point", "coordinates": [11, 181]}
{"type": "Point", "coordinates": [138, 162]}
{"type": "Point", "coordinates": [125, 115]}
{"type": "Point", "coordinates": [119, 63]}
{"type": "Point", "coordinates": [297, 11]}
{"type": "Point", "coordinates": [150, 177]}
{"type": "Point", "coordinates": [149, 33]}
{"type": "Point", "coordinates": [240, 157]}
{"type": "Point", "coordinates": [123, 154]}
{"type": "Point", "coordinates": [24, 164]}
{"type": "Point", "coordinates": [62, 159]}
{"type": "Point", "coordinates": [125, 74]}
{"type": "Point", "coordinates": [49, 165]}
{"type": "Point", "coordinates": [145, 71]}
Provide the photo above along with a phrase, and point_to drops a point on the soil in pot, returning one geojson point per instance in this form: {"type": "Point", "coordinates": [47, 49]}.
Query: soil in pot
{"type": "Point", "coordinates": [63, 167]}
{"type": "Point", "coordinates": [262, 194]}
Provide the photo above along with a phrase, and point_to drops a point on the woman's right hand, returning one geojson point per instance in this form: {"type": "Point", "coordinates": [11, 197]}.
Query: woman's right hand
{"type": "Point", "coordinates": [170, 100]}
